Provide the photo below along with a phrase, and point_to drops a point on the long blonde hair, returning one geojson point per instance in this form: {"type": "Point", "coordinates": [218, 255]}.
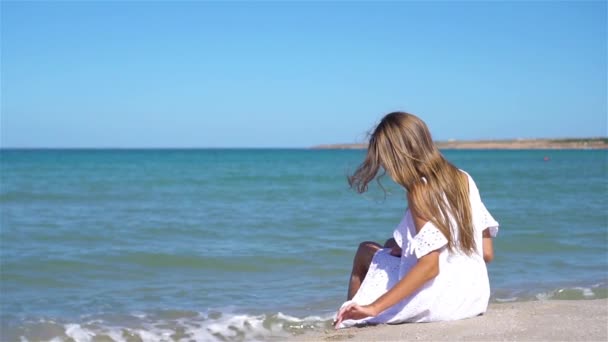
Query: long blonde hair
{"type": "Point", "coordinates": [402, 145]}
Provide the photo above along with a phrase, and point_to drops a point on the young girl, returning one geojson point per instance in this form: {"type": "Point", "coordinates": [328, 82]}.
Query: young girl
{"type": "Point", "coordinates": [437, 272]}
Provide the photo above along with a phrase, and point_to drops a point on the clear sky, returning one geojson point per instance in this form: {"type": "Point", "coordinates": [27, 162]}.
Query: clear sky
{"type": "Point", "coordinates": [296, 74]}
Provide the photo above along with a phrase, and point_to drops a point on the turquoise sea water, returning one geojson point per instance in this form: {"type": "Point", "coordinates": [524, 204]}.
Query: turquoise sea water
{"type": "Point", "coordinates": [155, 245]}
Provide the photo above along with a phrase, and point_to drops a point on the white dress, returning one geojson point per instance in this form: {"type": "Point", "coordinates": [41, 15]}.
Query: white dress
{"type": "Point", "coordinates": [460, 290]}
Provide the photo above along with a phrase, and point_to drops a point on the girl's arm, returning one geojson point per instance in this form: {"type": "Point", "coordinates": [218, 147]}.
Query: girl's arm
{"type": "Point", "coordinates": [488, 248]}
{"type": "Point", "coordinates": [425, 269]}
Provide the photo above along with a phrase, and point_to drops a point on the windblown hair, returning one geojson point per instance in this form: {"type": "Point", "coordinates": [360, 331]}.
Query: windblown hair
{"type": "Point", "coordinates": [402, 145]}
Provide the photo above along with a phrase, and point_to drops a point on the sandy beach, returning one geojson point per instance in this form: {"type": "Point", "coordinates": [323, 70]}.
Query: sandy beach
{"type": "Point", "coordinates": [552, 320]}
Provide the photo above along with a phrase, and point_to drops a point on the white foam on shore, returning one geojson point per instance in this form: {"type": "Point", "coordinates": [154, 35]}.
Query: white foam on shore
{"type": "Point", "coordinates": [576, 292]}
{"type": "Point", "coordinates": [506, 300]}
{"type": "Point", "coordinates": [225, 325]}
{"type": "Point", "coordinates": [78, 333]}
{"type": "Point", "coordinates": [587, 292]}
{"type": "Point", "coordinates": [201, 327]}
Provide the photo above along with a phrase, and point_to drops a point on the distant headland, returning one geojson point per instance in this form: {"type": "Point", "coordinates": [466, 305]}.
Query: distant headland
{"type": "Point", "coordinates": [512, 144]}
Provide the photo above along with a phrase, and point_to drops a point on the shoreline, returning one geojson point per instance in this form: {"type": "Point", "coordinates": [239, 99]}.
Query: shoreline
{"type": "Point", "coordinates": [511, 144]}
{"type": "Point", "coordinates": [555, 320]}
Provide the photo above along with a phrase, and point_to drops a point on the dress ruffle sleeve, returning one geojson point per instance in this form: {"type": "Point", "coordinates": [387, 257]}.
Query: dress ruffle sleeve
{"type": "Point", "coordinates": [428, 239]}
{"type": "Point", "coordinates": [487, 221]}
{"type": "Point", "coordinates": [399, 231]}
{"type": "Point", "coordinates": [481, 216]}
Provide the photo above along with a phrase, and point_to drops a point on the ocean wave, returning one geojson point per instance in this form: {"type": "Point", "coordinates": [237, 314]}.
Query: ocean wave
{"type": "Point", "coordinates": [573, 293]}
{"type": "Point", "coordinates": [224, 325]}
{"type": "Point", "coordinates": [169, 326]}
{"type": "Point", "coordinates": [595, 291]}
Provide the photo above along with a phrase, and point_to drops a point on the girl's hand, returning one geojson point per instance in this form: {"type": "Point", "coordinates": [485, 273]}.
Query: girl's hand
{"type": "Point", "coordinates": [354, 311]}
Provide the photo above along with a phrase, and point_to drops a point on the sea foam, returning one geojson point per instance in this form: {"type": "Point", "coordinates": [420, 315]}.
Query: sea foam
{"type": "Point", "coordinates": [201, 327]}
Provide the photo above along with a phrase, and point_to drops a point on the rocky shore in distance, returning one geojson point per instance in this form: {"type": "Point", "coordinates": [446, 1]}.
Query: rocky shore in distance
{"type": "Point", "coordinates": [514, 144]}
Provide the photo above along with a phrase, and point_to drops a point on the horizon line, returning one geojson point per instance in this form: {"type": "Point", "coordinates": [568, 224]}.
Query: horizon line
{"type": "Point", "coordinates": [278, 147]}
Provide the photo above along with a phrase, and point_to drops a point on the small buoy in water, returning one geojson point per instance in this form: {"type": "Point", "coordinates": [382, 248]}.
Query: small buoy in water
{"type": "Point", "coordinates": [546, 158]}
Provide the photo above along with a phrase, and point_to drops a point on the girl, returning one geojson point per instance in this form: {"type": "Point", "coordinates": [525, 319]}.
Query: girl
{"type": "Point", "coordinates": [437, 272]}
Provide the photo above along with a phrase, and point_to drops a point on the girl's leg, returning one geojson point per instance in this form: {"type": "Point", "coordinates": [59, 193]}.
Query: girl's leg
{"type": "Point", "coordinates": [395, 249]}
{"type": "Point", "coordinates": [363, 258]}
{"type": "Point", "coordinates": [390, 243]}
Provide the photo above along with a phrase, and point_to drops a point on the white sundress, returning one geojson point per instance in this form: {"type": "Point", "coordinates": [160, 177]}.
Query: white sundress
{"type": "Point", "coordinates": [460, 290]}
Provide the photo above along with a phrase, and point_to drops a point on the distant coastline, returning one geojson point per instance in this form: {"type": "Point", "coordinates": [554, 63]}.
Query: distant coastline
{"type": "Point", "coordinates": [512, 144]}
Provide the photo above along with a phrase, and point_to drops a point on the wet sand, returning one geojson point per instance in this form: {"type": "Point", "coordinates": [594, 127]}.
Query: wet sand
{"type": "Point", "coordinates": [551, 320]}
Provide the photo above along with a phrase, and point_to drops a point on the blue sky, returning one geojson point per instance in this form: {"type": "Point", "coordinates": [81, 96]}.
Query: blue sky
{"type": "Point", "coordinates": [297, 74]}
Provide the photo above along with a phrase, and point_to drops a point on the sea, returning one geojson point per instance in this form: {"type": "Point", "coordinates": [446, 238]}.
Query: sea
{"type": "Point", "coordinates": [257, 244]}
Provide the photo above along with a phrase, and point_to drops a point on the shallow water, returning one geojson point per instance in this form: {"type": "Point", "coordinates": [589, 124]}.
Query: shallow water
{"type": "Point", "coordinates": [253, 244]}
